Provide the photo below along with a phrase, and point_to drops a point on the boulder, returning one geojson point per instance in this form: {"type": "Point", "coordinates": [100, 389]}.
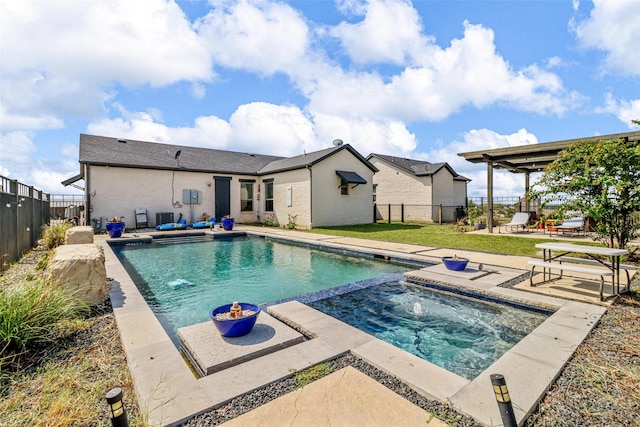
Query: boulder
{"type": "Point", "coordinates": [80, 268]}
{"type": "Point", "coordinates": [78, 235]}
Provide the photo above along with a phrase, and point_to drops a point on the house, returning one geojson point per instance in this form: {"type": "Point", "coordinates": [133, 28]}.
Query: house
{"type": "Point", "coordinates": [329, 187]}
{"type": "Point", "coordinates": [431, 192]}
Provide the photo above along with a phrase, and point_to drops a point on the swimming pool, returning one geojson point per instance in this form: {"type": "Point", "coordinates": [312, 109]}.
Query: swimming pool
{"type": "Point", "coordinates": [183, 282]}
{"type": "Point", "coordinates": [458, 333]}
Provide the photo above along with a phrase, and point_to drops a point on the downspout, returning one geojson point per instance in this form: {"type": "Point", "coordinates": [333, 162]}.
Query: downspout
{"type": "Point", "coordinates": [310, 197]}
{"type": "Point", "coordinates": [87, 194]}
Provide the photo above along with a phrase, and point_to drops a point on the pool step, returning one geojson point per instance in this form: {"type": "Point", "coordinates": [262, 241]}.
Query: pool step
{"type": "Point", "coordinates": [183, 239]}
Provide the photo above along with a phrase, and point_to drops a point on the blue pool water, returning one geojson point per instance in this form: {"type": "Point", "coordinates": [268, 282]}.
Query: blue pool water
{"type": "Point", "coordinates": [460, 334]}
{"type": "Point", "coordinates": [183, 282]}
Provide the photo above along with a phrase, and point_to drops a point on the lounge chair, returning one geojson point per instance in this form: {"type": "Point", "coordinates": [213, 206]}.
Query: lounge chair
{"type": "Point", "coordinates": [204, 224]}
{"type": "Point", "coordinates": [571, 225]}
{"type": "Point", "coordinates": [180, 225]}
{"type": "Point", "coordinates": [520, 219]}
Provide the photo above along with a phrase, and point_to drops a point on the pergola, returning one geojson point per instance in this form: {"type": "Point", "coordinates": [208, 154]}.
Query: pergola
{"type": "Point", "coordinates": [527, 159]}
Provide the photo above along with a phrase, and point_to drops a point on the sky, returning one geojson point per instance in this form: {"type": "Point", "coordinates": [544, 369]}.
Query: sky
{"type": "Point", "coordinates": [423, 80]}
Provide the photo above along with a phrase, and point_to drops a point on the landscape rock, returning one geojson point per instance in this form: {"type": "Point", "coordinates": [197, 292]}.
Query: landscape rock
{"type": "Point", "coordinates": [81, 269]}
{"type": "Point", "coordinates": [78, 235]}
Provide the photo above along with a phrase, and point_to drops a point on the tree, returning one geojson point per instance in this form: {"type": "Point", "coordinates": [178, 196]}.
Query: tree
{"type": "Point", "coordinates": [601, 179]}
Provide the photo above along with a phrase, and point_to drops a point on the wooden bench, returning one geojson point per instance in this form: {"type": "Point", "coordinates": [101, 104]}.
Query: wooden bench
{"type": "Point", "coordinates": [570, 267]}
{"type": "Point", "coordinates": [588, 261]}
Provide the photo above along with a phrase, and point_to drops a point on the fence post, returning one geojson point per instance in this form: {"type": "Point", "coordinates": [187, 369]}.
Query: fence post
{"type": "Point", "coordinates": [401, 212]}
{"type": "Point", "coordinates": [375, 217]}
{"type": "Point", "coordinates": [389, 217]}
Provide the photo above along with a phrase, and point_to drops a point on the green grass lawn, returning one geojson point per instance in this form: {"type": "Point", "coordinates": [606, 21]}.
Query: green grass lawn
{"type": "Point", "coordinates": [441, 236]}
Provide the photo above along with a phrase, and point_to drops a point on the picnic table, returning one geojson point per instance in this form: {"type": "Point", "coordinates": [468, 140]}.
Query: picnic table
{"type": "Point", "coordinates": [555, 253]}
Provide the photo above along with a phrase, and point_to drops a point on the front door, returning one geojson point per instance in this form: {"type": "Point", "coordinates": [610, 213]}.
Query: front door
{"type": "Point", "coordinates": [223, 197]}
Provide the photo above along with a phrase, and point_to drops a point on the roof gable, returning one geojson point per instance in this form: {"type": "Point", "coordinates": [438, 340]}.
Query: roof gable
{"type": "Point", "coordinates": [416, 167]}
{"type": "Point", "coordinates": [311, 159]}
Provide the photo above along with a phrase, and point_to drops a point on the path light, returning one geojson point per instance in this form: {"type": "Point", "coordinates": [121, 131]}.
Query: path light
{"type": "Point", "coordinates": [116, 408]}
{"type": "Point", "coordinates": [504, 400]}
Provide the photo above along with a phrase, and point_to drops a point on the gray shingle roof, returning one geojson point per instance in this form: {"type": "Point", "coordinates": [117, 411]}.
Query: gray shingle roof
{"type": "Point", "coordinates": [100, 150]}
{"type": "Point", "coordinates": [417, 167]}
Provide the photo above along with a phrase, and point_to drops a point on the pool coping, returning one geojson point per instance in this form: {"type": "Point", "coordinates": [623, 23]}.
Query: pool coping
{"type": "Point", "coordinates": [169, 393]}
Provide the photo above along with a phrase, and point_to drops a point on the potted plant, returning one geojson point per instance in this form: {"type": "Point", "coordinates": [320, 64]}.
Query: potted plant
{"type": "Point", "coordinates": [115, 227]}
{"type": "Point", "coordinates": [231, 323]}
{"type": "Point", "coordinates": [227, 222]}
{"type": "Point", "coordinates": [455, 262]}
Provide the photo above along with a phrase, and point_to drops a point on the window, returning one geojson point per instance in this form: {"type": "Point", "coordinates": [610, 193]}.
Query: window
{"type": "Point", "coordinates": [268, 196]}
{"type": "Point", "coordinates": [246, 196]}
{"type": "Point", "coordinates": [344, 188]}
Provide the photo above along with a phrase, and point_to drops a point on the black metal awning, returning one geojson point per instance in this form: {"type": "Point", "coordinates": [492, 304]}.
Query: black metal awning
{"type": "Point", "coordinates": [351, 177]}
{"type": "Point", "coordinates": [71, 181]}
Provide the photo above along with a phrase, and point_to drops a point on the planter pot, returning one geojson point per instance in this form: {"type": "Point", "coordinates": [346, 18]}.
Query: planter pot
{"type": "Point", "coordinates": [235, 327]}
{"type": "Point", "coordinates": [457, 264]}
{"type": "Point", "coordinates": [114, 229]}
{"type": "Point", "coordinates": [227, 223]}
{"type": "Point", "coordinates": [479, 225]}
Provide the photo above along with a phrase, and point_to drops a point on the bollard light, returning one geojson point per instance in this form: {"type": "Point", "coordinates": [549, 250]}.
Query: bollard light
{"type": "Point", "coordinates": [116, 408]}
{"type": "Point", "coordinates": [504, 400]}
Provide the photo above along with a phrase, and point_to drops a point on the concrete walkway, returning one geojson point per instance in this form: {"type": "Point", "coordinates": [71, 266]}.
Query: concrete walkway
{"type": "Point", "coordinates": [169, 392]}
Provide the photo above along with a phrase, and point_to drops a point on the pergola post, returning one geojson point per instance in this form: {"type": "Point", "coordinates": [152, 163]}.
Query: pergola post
{"type": "Point", "coordinates": [527, 203]}
{"type": "Point", "coordinates": [490, 196]}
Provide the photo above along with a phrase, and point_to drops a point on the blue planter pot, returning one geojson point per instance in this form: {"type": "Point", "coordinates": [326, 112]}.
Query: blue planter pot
{"type": "Point", "coordinates": [235, 327]}
{"type": "Point", "coordinates": [115, 229]}
{"type": "Point", "coordinates": [227, 223]}
{"type": "Point", "coordinates": [458, 264]}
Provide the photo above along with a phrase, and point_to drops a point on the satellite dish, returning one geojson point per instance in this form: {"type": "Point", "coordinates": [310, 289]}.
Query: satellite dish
{"type": "Point", "coordinates": [337, 142]}
{"type": "Point", "coordinates": [177, 156]}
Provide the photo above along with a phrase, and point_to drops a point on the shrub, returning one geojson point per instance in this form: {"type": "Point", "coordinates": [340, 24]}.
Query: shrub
{"type": "Point", "coordinates": [53, 235]}
{"type": "Point", "coordinates": [35, 312]}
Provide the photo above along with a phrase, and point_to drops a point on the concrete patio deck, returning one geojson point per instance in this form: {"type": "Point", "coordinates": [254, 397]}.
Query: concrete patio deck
{"type": "Point", "coordinates": [170, 393]}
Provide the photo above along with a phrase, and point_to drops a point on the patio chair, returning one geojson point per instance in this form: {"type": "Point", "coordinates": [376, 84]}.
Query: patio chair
{"type": "Point", "coordinates": [571, 225]}
{"type": "Point", "coordinates": [520, 219]}
{"type": "Point", "coordinates": [141, 218]}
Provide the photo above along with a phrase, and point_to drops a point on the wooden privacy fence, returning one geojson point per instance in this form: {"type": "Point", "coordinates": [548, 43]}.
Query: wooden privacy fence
{"type": "Point", "coordinates": [23, 212]}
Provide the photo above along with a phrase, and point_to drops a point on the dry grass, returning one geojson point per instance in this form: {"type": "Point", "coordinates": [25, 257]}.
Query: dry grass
{"type": "Point", "coordinates": [599, 386]}
{"type": "Point", "coordinates": [63, 383]}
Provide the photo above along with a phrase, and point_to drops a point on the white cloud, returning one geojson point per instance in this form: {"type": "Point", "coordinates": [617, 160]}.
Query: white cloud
{"type": "Point", "coordinates": [264, 128]}
{"type": "Point", "coordinates": [505, 183]}
{"type": "Point", "coordinates": [17, 148]}
{"type": "Point", "coordinates": [257, 35]}
{"type": "Point", "coordinates": [208, 131]}
{"type": "Point", "coordinates": [614, 27]}
{"type": "Point", "coordinates": [390, 32]}
{"type": "Point", "coordinates": [467, 73]}
{"type": "Point", "coordinates": [17, 161]}
{"type": "Point", "coordinates": [62, 57]}
{"type": "Point", "coordinates": [366, 135]}
{"type": "Point", "coordinates": [624, 110]}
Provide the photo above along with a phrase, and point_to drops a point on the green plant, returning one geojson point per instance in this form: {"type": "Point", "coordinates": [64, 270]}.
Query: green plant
{"type": "Point", "coordinates": [270, 220]}
{"type": "Point", "coordinates": [600, 179]}
{"type": "Point", "coordinates": [309, 375]}
{"type": "Point", "coordinates": [32, 312]}
{"type": "Point", "coordinates": [54, 235]}
{"type": "Point", "coordinates": [291, 224]}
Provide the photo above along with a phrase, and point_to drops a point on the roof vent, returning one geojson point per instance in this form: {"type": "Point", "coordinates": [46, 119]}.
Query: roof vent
{"type": "Point", "coordinates": [123, 141]}
{"type": "Point", "coordinates": [337, 142]}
